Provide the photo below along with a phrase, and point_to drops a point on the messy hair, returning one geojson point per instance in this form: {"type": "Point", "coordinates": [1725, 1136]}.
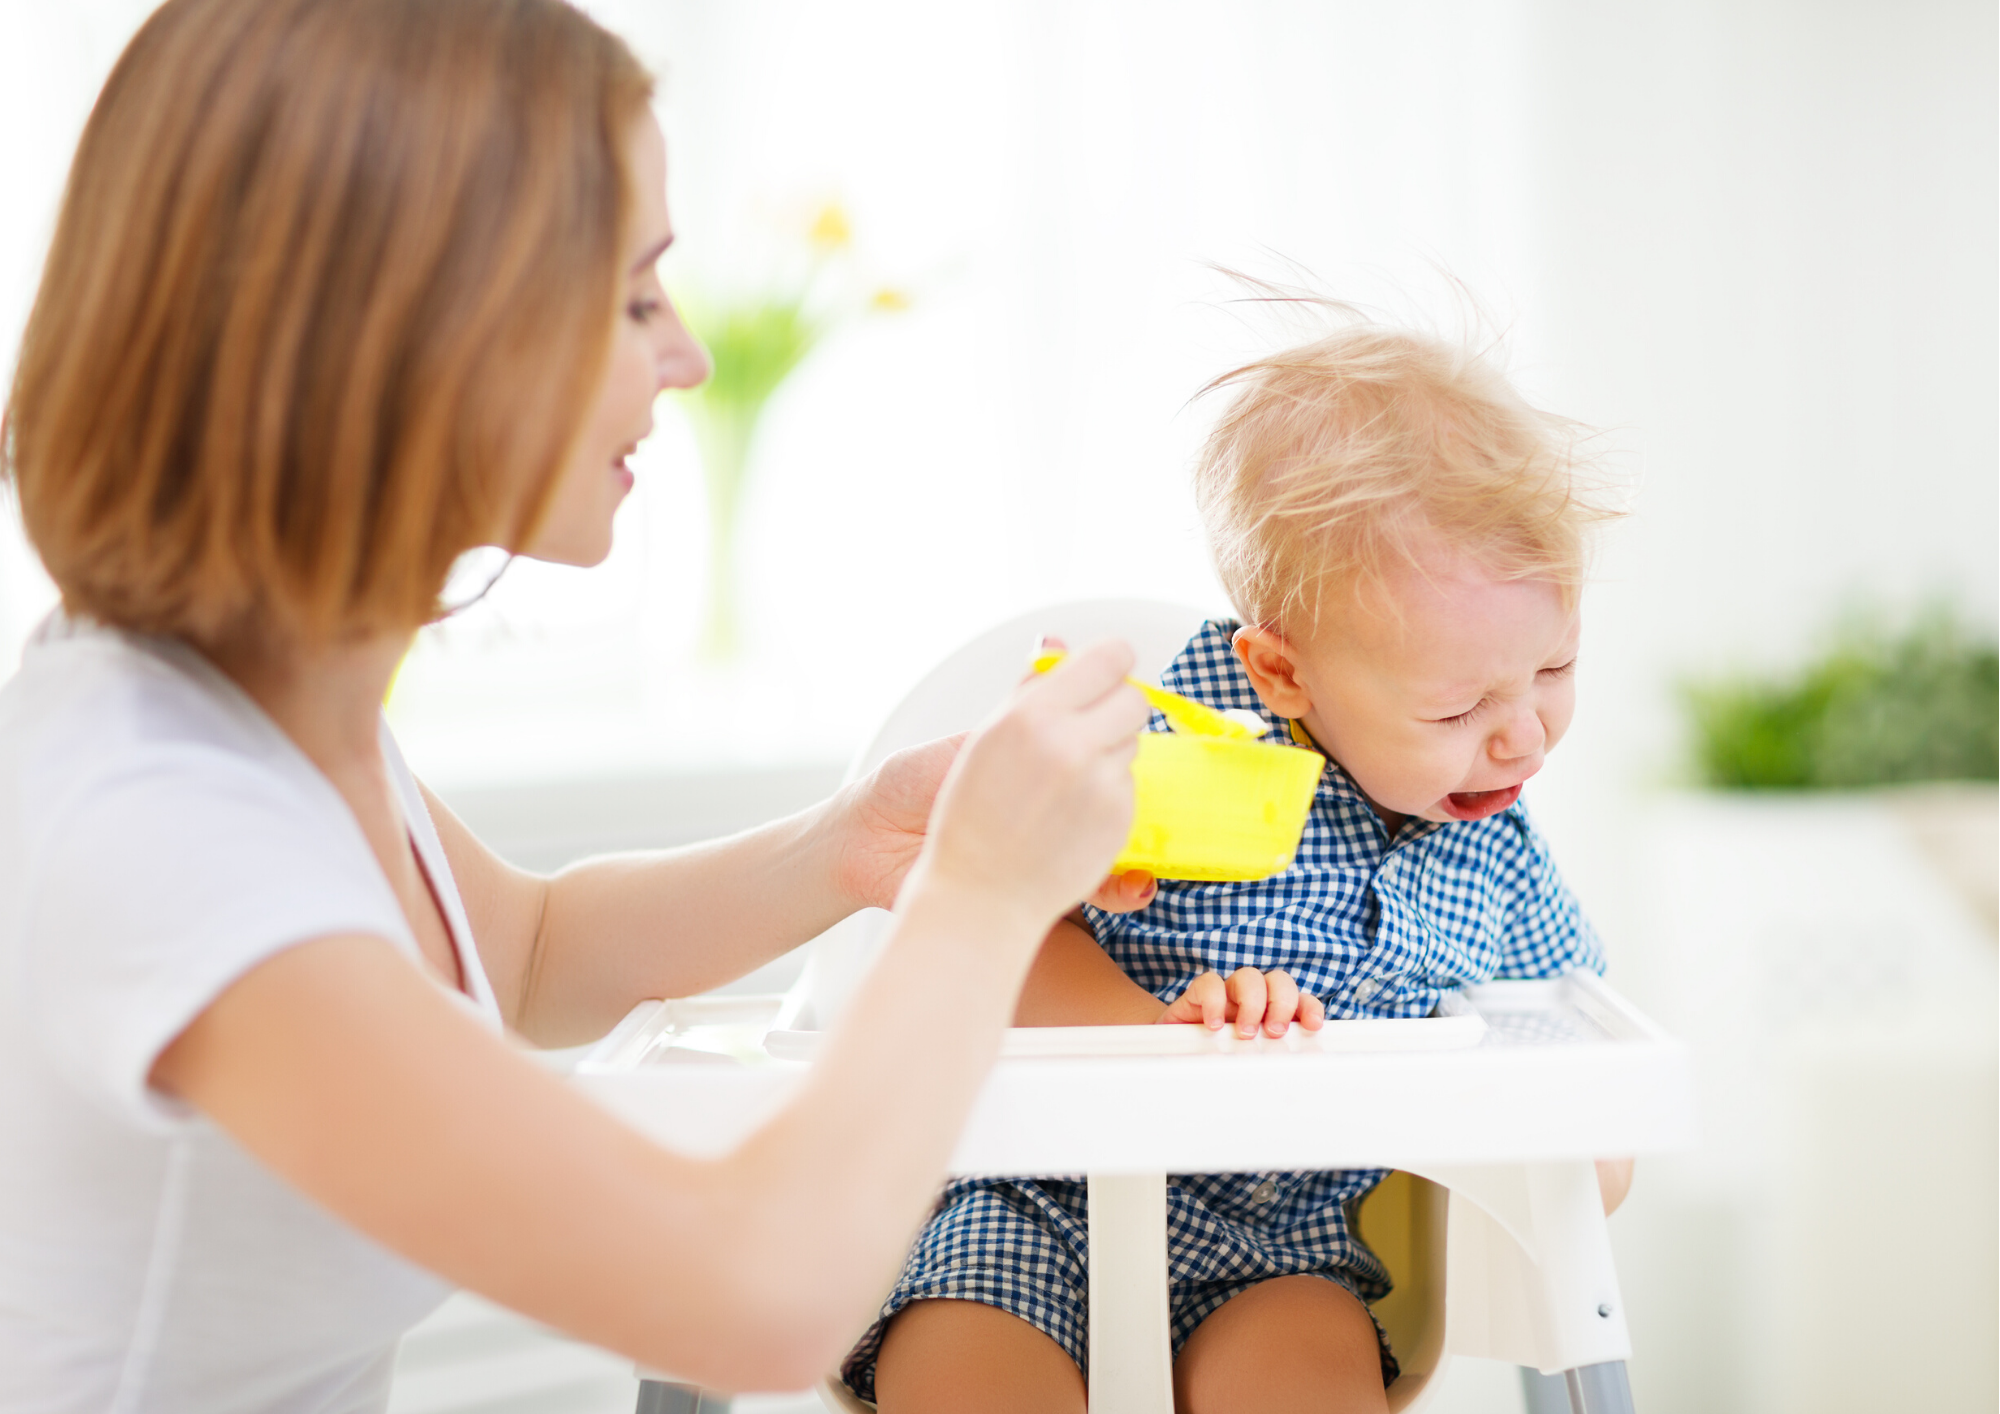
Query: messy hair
{"type": "Point", "coordinates": [1338, 459]}
{"type": "Point", "coordinates": [330, 287]}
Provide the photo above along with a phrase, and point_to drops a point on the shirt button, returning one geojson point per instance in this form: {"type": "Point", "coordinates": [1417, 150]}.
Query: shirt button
{"type": "Point", "coordinates": [1264, 1192]}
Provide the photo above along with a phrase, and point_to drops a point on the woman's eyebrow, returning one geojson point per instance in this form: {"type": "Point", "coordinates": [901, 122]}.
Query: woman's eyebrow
{"type": "Point", "coordinates": [652, 254]}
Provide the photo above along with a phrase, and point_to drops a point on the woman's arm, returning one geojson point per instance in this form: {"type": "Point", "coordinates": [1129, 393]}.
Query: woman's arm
{"type": "Point", "coordinates": [569, 954]}
{"type": "Point", "coordinates": [746, 1272]}
{"type": "Point", "coordinates": [343, 1068]}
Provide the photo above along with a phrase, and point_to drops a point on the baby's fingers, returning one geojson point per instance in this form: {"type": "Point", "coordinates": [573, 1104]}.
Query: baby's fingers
{"type": "Point", "coordinates": [1288, 1004]}
{"type": "Point", "coordinates": [1283, 1004]}
{"type": "Point", "coordinates": [1206, 1001]}
{"type": "Point", "coordinates": [1247, 991]}
{"type": "Point", "coordinates": [1125, 893]}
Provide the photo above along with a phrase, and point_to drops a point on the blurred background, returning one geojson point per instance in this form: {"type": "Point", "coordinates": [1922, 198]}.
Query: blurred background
{"type": "Point", "coordinates": [963, 263]}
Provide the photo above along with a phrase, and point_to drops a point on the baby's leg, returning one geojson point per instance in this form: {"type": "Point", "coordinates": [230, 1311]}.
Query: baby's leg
{"type": "Point", "coordinates": [1299, 1343]}
{"type": "Point", "coordinates": [964, 1357]}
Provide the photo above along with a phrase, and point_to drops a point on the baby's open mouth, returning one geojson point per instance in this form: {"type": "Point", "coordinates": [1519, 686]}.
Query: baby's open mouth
{"type": "Point", "coordinates": [1478, 804]}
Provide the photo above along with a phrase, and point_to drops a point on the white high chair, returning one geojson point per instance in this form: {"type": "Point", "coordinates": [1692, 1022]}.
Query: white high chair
{"type": "Point", "coordinates": [1490, 1112]}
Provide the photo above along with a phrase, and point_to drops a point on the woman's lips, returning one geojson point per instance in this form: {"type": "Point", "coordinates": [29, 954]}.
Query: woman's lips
{"type": "Point", "coordinates": [623, 473]}
{"type": "Point", "coordinates": [1478, 804]}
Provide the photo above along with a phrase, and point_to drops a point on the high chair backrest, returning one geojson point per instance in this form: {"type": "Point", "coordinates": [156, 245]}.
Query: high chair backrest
{"type": "Point", "coordinates": [959, 693]}
{"type": "Point", "coordinates": [1402, 1220]}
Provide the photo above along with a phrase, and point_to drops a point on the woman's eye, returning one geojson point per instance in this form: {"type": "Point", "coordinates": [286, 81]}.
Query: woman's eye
{"type": "Point", "coordinates": [1562, 672]}
{"type": "Point", "coordinates": [642, 311]}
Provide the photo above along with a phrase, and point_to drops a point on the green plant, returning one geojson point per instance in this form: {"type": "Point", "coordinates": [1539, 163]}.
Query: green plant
{"type": "Point", "coordinates": [1877, 707]}
{"type": "Point", "coordinates": [754, 347]}
{"type": "Point", "coordinates": [754, 343]}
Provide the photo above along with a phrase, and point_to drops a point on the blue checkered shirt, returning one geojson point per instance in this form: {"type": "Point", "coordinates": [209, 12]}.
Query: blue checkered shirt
{"type": "Point", "coordinates": [1371, 925]}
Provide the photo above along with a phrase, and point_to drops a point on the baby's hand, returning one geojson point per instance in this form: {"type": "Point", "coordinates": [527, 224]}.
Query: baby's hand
{"type": "Point", "coordinates": [1248, 998]}
{"type": "Point", "coordinates": [1125, 893]}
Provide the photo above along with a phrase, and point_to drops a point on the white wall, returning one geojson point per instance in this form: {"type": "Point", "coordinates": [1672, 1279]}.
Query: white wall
{"type": "Point", "coordinates": [1769, 236]}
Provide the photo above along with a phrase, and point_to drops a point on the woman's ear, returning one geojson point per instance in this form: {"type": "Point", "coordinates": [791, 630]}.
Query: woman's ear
{"type": "Point", "coordinates": [1268, 660]}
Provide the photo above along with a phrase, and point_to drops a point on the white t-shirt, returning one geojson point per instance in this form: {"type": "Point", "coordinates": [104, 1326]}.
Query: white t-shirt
{"type": "Point", "coordinates": [159, 836]}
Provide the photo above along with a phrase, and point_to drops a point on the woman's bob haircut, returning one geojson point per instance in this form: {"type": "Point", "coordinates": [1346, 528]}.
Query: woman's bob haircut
{"type": "Point", "coordinates": [331, 289]}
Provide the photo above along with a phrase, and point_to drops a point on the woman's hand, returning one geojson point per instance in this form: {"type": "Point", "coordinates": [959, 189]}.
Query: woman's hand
{"type": "Point", "coordinates": [1125, 892]}
{"type": "Point", "coordinates": [886, 819]}
{"type": "Point", "coordinates": [1040, 799]}
{"type": "Point", "coordinates": [883, 832]}
{"type": "Point", "coordinates": [1249, 998]}
{"type": "Point", "coordinates": [886, 823]}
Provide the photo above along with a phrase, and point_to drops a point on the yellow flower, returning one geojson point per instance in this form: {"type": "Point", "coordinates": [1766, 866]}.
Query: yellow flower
{"type": "Point", "coordinates": [889, 300]}
{"type": "Point", "coordinates": [829, 228]}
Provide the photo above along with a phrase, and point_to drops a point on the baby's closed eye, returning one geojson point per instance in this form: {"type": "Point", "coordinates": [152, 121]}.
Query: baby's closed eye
{"type": "Point", "coordinates": [1558, 672]}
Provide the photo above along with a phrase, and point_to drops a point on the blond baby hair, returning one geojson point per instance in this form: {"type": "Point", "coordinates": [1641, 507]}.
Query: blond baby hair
{"type": "Point", "coordinates": [1338, 457]}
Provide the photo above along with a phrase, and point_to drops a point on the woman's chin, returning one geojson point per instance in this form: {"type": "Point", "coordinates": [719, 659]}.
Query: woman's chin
{"type": "Point", "coordinates": [576, 553]}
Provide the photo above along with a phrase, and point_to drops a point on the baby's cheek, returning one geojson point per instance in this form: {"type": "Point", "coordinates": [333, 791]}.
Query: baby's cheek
{"type": "Point", "coordinates": [1557, 717]}
{"type": "Point", "coordinates": [1436, 773]}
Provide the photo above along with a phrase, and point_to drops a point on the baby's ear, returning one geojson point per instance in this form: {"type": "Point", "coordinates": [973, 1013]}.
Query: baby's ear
{"type": "Point", "coordinates": [1268, 660]}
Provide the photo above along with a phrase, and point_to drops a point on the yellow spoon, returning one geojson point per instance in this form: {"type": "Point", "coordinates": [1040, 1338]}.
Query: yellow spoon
{"type": "Point", "coordinates": [1184, 714]}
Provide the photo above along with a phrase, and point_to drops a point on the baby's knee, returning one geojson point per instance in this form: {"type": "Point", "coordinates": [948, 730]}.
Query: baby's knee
{"type": "Point", "coordinates": [971, 1358]}
{"type": "Point", "coordinates": [1298, 1343]}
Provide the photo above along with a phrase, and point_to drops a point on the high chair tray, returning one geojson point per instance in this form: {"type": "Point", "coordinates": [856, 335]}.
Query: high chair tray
{"type": "Point", "coordinates": [1506, 1073]}
{"type": "Point", "coordinates": [1455, 1024]}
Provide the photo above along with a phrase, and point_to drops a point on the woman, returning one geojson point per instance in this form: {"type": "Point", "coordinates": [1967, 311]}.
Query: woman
{"type": "Point", "coordinates": [340, 289]}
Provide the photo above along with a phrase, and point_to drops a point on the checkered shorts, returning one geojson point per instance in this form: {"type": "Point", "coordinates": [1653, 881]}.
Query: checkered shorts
{"type": "Point", "coordinates": [1023, 1245]}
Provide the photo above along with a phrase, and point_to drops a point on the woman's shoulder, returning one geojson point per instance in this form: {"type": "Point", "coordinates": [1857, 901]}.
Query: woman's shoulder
{"type": "Point", "coordinates": [89, 700]}
{"type": "Point", "coordinates": [110, 734]}
{"type": "Point", "coordinates": [156, 842]}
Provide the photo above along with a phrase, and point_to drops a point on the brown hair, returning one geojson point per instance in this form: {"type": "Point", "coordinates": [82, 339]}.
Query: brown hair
{"type": "Point", "coordinates": [1338, 458]}
{"type": "Point", "coordinates": [331, 287]}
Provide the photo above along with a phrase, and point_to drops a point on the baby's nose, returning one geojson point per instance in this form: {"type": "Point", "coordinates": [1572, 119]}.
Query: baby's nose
{"type": "Point", "coordinates": [1522, 734]}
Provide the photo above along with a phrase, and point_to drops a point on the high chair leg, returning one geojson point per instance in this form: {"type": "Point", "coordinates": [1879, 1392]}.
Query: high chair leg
{"type": "Point", "coordinates": [1131, 1360]}
{"type": "Point", "coordinates": [1588, 1389]}
{"type": "Point", "coordinates": [1543, 1394]}
{"type": "Point", "coordinates": [1599, 1389]}
{"type": "Point", "coordinates": [660, 1397]}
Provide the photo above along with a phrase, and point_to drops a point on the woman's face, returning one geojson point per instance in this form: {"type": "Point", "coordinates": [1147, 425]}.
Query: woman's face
{"type": "Point", "coordinates": [650, 350]}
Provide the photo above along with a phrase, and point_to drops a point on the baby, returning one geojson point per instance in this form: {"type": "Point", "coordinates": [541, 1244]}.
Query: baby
{"type": "Point", "coordinates": [1404, 538]}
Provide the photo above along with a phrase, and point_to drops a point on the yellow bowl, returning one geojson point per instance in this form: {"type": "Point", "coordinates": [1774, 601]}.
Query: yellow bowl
{"type": "Point", "coordinates": [1217, 808]}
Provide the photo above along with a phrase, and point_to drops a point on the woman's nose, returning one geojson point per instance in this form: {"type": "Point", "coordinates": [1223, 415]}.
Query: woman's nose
{"type": "Point", "coordinates": [680, 361]}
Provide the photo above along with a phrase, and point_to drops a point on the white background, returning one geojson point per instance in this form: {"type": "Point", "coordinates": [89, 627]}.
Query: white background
{"type": "Point", "coordinates": [1754, 242]}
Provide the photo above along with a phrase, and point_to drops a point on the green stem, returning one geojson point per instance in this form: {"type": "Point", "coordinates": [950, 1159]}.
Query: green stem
{"type": "Point", "coordinates": [725, 434]}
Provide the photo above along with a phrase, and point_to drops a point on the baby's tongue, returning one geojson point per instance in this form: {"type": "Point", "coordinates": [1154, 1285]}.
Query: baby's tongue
{"type": "Point", "coordinates": [1477, 804]}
